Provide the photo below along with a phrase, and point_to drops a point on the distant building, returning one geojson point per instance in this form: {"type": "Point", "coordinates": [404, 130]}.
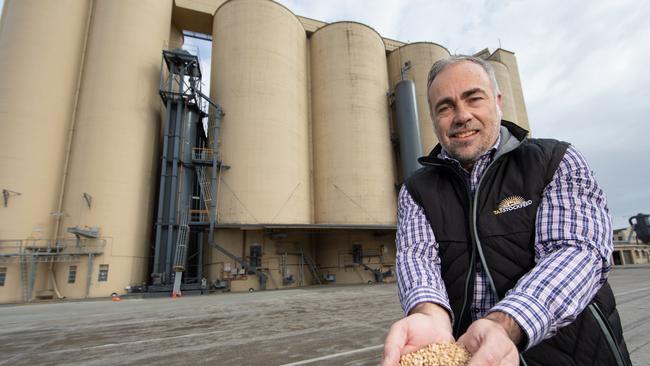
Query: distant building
{"type": "Point", "coordinates": [627, 250]}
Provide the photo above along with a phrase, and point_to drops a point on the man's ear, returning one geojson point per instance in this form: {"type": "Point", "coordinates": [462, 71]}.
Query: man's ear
{"type": "Point", "coordinates": [499, 106]}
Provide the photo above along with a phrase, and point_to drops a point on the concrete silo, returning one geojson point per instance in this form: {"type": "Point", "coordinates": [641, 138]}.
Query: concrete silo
{"type": "Point", "coordinates": [112, 171]}
{"type": "Point", "coordinates": [36, 107]}
{"type": "Point", "coordinates": [259, 77]}
{"type": "Point", "coordinates": [503, 79]}
{"type": "Point", "coordinates": [413, 61]}
{"type": "Point", "coordinates": [510, 61]}
{"type": "Point", "coordinates": [41, 48]}
{"type": "Point", "coordinates": [353, 158]}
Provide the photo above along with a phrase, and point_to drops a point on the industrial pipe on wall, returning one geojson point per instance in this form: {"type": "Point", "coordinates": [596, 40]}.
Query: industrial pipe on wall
{"type": "Point", "coordinates": [406, 110]}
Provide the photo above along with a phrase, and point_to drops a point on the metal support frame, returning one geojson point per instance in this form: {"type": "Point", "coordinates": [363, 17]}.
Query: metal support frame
{"type": "Point", "coordinates": [182, 178]}
{"type": "Point", "coordinates": [32, 276]}
{"type": "Point", "coordinates": [6, 193]}
{"type": "Point", "coordinates": [89, 279]}
{"type": "Point", "coordinates": [30, 253]}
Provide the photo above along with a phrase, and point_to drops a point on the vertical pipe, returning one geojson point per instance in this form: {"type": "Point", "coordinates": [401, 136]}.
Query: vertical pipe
{"type": "Point", "coordinates": [68, 149]}
{"type": "Point", "coordinates": [302, 274]}
{"type": "Point", "coordinates": [199, 244]}
{"type": "Point", "coordinates": [172, 208]}
{"type": "Point", "coordinates": [90, 274]}
{"type": "Point", "coordinates": [66, 163]}
{"type": "Point", "coordinates": [243, 245]}
{"type": "Point", "coordinates": [163, 173]}
{"type": "Point", "coordinates": [215, 164]}
{"type": "Point", "coordinates": [406, 111]}
{"type": "Point", "coordinates": [188, 172]}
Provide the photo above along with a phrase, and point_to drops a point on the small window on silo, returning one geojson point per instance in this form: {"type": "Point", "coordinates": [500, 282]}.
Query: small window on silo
{"type": "Point", "coordinates": [103, 273]}
{"type": "Point", "coordinates": [3, 275]}
{"type": "Point", "coordinates": [72, 274]}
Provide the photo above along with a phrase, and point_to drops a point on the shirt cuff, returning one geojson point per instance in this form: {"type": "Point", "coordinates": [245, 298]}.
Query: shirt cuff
{"type": "Point", "coordinates": [530, 314]}
{"type": "Point", "coordinates": [422, 294]}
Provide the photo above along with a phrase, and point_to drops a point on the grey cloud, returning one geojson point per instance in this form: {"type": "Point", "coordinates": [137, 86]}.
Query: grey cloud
{"type": "Point", "coordinates": [582, 64]}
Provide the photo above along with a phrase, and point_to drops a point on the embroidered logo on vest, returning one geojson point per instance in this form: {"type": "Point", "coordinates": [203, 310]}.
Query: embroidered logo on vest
{"type": "Point", "coordinates": [512, 203]}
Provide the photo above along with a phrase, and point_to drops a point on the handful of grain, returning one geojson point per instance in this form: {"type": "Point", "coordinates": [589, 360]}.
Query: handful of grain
{"type": "Point", "coordinates": [437, 354]}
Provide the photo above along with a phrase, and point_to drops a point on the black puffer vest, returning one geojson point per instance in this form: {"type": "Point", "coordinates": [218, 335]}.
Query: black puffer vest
{"type": "Point", "coordinates": [497, 227]}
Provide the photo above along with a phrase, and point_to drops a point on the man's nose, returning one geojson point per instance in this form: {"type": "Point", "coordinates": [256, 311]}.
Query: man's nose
{"type": "Point", "coordinates": [462, 115]}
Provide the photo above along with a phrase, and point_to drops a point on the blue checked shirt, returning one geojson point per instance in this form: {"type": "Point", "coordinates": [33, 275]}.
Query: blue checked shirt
{"type": "Point", "coordinates": [573, 245]}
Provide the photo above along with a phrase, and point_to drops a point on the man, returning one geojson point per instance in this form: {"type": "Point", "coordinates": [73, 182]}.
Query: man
{"type": "Point", "coordinates": [503, 242]}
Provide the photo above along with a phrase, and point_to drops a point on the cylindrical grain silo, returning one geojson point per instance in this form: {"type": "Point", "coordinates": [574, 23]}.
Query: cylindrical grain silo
{"type": "Point", "coordinates": [413, 61]}
{"type": "Point", "coordinates": [353, 159]}
{"type": "Point", "coordinates": [115, 138]}
{"type": "Point", "coordinates": [510, 61]}
{"type": "Point", "coordinates": [507, 101]}
{"type": "Point", "coordinates": [41, 46]}
{"type": "Point", "coordinates": [259, 77]}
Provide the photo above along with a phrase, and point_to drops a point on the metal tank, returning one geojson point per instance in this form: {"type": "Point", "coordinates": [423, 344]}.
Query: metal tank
{"type": "Point", "coordinates": [413, 61]}
{"type": "Point", "coordinates": [353, 157]}
{"type": "Point", "coordinates": [408, 127]}
{"type": "Point", "coordinates": [259, 77]}
{"type": "Point", "coordinates": [41, 46]}
{"type": "Point", "coordinates": [503, 79]}
{"type": "Point", "coordinates": [112, 171]}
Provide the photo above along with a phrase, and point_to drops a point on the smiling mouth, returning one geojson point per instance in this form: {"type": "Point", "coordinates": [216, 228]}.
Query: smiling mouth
{"type": "Point", "coordinates": [464, 134]}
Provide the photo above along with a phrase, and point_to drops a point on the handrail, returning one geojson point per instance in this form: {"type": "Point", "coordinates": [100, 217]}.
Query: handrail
{"type": "Point", "coordinates": [49, 247]}
{"type": "Point", "coordinates": [201, 153]}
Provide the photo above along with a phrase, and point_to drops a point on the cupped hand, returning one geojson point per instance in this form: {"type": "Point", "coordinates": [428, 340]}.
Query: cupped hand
{"type": "Point", "coordinates": [489, 344]}
{"type": "Point", "coordinates": [414, 332]}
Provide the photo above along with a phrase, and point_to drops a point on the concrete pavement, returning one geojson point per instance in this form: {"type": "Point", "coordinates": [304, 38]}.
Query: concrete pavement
{"type": "Point", "coordinates": [329, 325]}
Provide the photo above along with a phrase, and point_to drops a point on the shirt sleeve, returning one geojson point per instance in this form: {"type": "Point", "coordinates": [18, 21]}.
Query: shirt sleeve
{"type": "Point", "coordinates": [573, 246]}
{"type": "Point", "coordinates": [417, 262]}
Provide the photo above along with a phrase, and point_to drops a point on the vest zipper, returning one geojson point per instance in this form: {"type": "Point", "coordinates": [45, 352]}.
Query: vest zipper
{"type": "Point", "coordinates": [477, 242]}
{"type": "Point", "coordinates": [474, 231]}
{"type": "Point", "coordinates": [471, 272]}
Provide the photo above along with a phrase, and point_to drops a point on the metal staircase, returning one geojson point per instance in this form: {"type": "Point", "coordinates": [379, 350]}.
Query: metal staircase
{"type": "Point", "coordinates": [315, 274]}
{"type": "Point", "coordinates": [312, 269]}
{"type": "Point", "coordinates": [206, 187]}
{"type": "Point", "coordinates": [181, 252]}
{"type": "Point", "coordinates": [24, 277]}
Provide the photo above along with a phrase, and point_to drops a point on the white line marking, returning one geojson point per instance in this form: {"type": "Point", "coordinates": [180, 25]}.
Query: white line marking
{"type": "Point", "coordinates": [304, 362]}
{"type": "Point", "coordinates": [633, 291]}
{"type": "Point", "coordinates": [136, 342]}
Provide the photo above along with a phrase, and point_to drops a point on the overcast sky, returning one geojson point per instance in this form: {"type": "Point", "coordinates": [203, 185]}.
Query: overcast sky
{"type": "Point", "coordinates": [583, 66]}
{"type": "Point", "coordinates": [582, 63]}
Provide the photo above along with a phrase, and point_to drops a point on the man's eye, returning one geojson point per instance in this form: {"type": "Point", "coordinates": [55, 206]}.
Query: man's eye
{"type": "Point", "coordinates": [475, 99]}
{"type": "Point", "coordinates": [443, 109]}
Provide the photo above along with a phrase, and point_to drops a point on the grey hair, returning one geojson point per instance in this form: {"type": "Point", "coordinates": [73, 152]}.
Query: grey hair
{"type": "Point", "coordinates": [440, 65]}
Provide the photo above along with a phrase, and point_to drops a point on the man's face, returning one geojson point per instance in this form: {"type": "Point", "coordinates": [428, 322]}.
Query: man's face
{"type": "Point", "coordinates": [466, 114]}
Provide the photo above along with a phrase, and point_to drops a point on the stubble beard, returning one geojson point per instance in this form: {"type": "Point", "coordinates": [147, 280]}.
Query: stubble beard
{"type": "Point", "coordinates": [468, 154]}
